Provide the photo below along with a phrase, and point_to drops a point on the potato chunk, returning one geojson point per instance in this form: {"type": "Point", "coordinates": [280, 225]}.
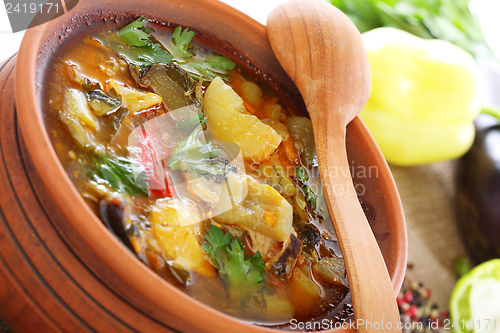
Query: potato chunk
{"type": "Point", "coordinates": [230, 120]}
{"type": "Point", "coordinates": [77, 130]}
{"type": "Point", "coordinates": [304, 293]}
{"type": "Point", "coordinates": [261, 205]}
{"type": "Point", "coordinates": [279, 308]}
{"type": "Point", "coordinates": [76, 106]}
{"type": "Point", "coordinates": [78, 118]}
{"type": "Point", "coordinates": [219, 197]}
{"type": "Point", "coordinates": [176, 226]}
{"type": "Point", "coordinates": [134, 100]}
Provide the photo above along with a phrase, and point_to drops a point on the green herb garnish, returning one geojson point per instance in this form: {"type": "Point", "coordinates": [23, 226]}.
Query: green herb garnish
{"type": "Point", "coordinates": [136, 47]}
{"type": "Point", "coordinates": [213, 66]}
{"type": "Point", "coordinates": [311, 196]}
{"type": "Point", "coordinates": [243, 275]}
{"type": "Point", "coordinates": [117, 173]}
{"type": "Point", "coordinates": [182, 42]}
{"type": "Point", "coordinates": [304, 179]}
{"type": "Point", "coordinates": [193, 155]}
{"type": "Point", "coordinates": [220, 63]}
{"type": "Point", "coordinates": [199, 119]}
{"type": "Point", "coordinates": [136, 34]}
{"type": "Point", "coordinates": [145, 56]}
{"type": "Point", "coordinates": [302, 174]}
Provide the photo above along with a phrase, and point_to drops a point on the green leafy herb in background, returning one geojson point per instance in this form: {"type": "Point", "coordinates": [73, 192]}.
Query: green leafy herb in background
{"type": "Point", "coordinates": [449, 20]}
{"type": "Point", "coordinates": [243, 275]}
{"type": "Point", "coordinates": [117, 173]}
{"type": "Point", "coordinates": [309, 193]}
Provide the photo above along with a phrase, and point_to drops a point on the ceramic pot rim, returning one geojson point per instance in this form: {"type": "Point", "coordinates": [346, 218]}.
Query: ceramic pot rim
{"type": "Point", "coordinates": [86, 223]}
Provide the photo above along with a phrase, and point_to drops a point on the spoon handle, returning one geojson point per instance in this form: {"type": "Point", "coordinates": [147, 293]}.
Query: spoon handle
{"type": "Point", "coordinates": [371, 289]}
{"type": "Point", "coordinates": [322, 52]}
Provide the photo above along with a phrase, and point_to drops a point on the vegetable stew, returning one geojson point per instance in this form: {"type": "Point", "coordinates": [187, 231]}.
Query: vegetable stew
{"type": "Point", "coordinates": [200, 170]}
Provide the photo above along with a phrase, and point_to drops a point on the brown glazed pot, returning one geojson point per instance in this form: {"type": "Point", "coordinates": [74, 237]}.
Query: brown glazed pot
{"type": "Point", "coordinates": [61, 270]}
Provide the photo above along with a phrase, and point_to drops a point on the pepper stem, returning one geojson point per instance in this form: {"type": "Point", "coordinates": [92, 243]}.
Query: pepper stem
{"type": "Point", "coordinates": [491, 110]}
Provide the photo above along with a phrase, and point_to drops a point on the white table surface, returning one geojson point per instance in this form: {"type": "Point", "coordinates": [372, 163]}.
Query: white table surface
{"type": "Point", "coordinates": [10, 42]}
{"type": "Point", "coordinates": [488, 11]}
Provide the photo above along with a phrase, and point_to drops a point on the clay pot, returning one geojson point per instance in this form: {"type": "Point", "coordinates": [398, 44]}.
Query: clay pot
{"type": "Point", "coordinates": [60, 268]}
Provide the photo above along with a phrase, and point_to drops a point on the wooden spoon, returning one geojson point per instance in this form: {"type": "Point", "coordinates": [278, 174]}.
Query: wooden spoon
{"type": "Point", "coordinates": [322, 52]}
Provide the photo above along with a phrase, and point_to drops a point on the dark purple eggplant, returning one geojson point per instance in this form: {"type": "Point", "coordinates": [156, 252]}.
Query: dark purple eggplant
{"type": "Point", "coordinates": [286, 262]}
{"type": "Point", "coordinates": [113, 215]}
{"type": "Point", "coordinates": [478, 191]}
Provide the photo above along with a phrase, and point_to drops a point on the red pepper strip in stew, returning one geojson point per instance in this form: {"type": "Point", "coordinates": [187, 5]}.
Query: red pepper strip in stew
{"type": "Point", "coordinates": [159, 181]}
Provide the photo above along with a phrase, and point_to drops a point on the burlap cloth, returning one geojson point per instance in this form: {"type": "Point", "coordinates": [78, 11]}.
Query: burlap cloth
{"type": "Point", "coordinates": [428, 194]}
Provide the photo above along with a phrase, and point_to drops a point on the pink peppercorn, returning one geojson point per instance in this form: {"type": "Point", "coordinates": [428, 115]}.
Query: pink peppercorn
{"type": "Point", "coordinates": [428, 293]}
{"type": "Point", "coordinates": [408, 296]}
{"type": "Point", "coordinates": [412, 311]}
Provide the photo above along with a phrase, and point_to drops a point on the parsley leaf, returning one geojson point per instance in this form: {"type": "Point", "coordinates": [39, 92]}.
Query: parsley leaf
{"type": "Point", "coordinates": [137, 24]}
{"type": "Point", "coordinates": [217, 244]}
{"type": "Point", "coordinates": [199, 119]}
{"type": "Point", "coordinates": [133, 34]}
{"type": "Point", "coordinates": [117, 173]}
{"type": "Point", "coordinates": [243, 275]}
{"type": "Point", "coordinates": [311, 196]}
{"type": "Point", "coordinates": [304, 178]}
{"type": "Point", "coordinates": [142, 56]}
{"type": "Point", "coordinates": [154, 54]}
{"type": "Point", "coordinates": [135, 46]}
{"type": "Point", "coordinates": [182, 42]}
{"type": "Point", "coordinates": [220, 63]}
{"type": "Point", "coordinates": [213, 66]}
{"type": "Point", "coordinates": [301, 174]}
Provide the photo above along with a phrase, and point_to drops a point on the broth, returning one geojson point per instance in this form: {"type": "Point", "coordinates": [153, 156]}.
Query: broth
{"type": "Point", "coordinates": [235, 219]}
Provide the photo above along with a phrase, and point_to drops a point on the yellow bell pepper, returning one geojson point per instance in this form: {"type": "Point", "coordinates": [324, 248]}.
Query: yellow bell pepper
{"type": "Point", "coordinates": [423, 99]}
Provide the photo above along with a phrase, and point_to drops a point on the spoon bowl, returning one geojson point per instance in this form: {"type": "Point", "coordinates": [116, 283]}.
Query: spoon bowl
{"type": "Point", "coordinates": [322, 52]}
